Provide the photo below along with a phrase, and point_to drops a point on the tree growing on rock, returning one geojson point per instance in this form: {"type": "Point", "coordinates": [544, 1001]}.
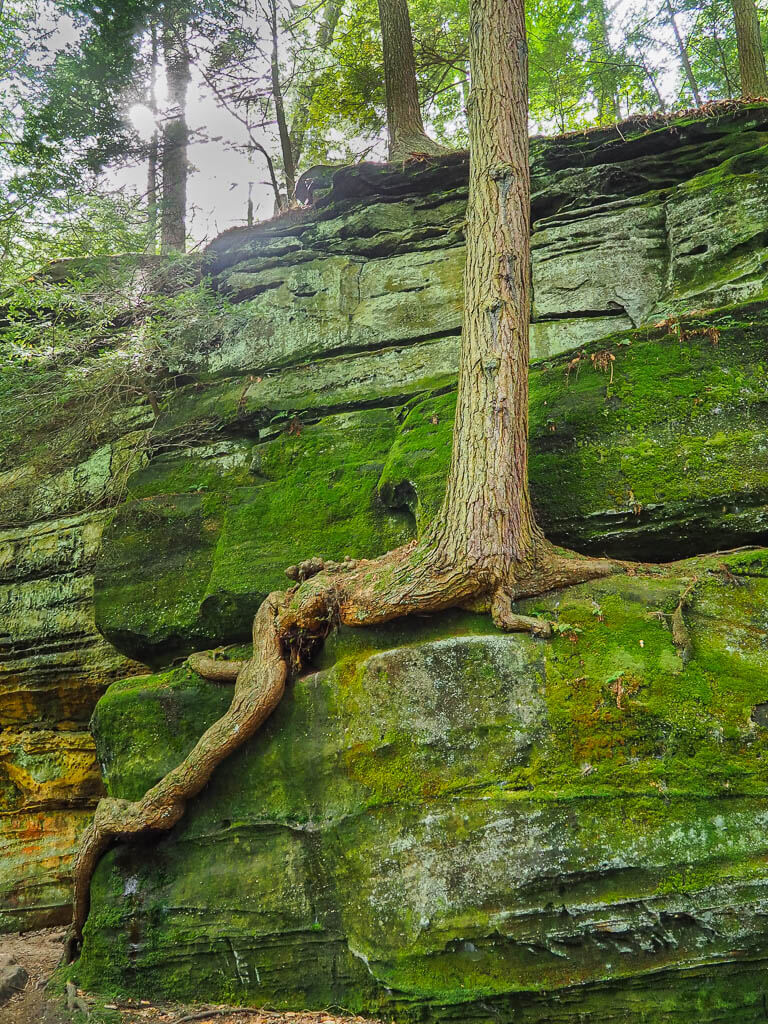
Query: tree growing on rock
{"type": "Point", "coordinates": [405, 126]}
{"type": "Point", "coordinates": [754, 80]}
{"type": "Point", "coordinates": [175, 133]}
{"type": "Point", "coordinates": [484, 549]}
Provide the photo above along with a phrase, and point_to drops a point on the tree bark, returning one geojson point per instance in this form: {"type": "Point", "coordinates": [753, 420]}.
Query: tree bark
{"type": "Point", "coordinates": [404, 123]}
{"type": "Point", "coordinates": [173, 230]}
{"type": "Point", "coordinates": [754, 80]}
{"type": "Point", "coordinates": [487, 519]}
{"type": "Point", "coordinates": [684, 60]}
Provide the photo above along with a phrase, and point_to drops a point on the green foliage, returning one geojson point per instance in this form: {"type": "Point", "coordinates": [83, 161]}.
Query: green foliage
{"type": "Point", "coordinates": [86, 340]}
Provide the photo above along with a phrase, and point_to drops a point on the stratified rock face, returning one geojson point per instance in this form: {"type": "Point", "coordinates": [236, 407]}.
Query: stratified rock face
{"type": "Point", "coordinates": [661, 454]}
{"type": "Point", "coordinates": [54, 665]}
{"type": "Point", "coordinates": [319, 423]}
{"type": "Point", "coordinates": [448, 824]}
{"type": "Point", "coordinates": [625, 232]}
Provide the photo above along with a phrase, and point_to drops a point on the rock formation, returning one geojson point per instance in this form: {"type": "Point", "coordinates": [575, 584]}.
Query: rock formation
{"type": "Point", "coordinates": [441, 822]}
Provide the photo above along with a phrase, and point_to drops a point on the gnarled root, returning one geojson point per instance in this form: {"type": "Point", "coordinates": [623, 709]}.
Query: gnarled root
{"type": "Point", "coordinates": [215, 669]}
{"type": "Point", "coordinates": [259, 686]}
{"type": "Point", "coordinates": [414, 578]}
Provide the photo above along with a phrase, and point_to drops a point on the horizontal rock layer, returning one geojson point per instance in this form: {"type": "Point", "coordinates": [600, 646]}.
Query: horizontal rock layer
{"type": "Point", "coordinates": [446, 824]}
{"type": "Point", "coordinates": [54, 665]}
{"type": "Point", "coordinates": [319, 418]}
{"type": "Point", "coordinates": [625, 231]}
{"type": "Point", "coordinates": [260, 475]}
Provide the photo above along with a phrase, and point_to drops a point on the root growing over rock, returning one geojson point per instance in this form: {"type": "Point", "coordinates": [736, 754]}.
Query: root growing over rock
{"type": "Point", "coordinates": [286, 629]}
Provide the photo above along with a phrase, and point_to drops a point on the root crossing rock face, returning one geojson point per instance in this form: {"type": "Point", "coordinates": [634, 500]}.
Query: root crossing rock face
{"type": "Point", "coordinates": [286, 628]}
{"type": "Point", "coordinates": [259, 685]}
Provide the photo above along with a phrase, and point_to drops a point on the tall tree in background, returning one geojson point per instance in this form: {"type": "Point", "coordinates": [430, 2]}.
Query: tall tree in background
{"type": "Point", "coordinates": [404, 122]}
{"type": "Point", "coordinates": [154, 145]}
{"type": "Point", "coordinates": [484, 548]}
{"type": "Point", "coordinates": [175, 132]}
{"type": "Point", "coordinates": [606, 66]}
{"type": "Point", "coordinates": [309, 83]}
{"type": "Point", "coordinates": [289, 166]}
{"type": "Point", "coordinates": [754, 80]}
{"type": "Point", "coordinates": [682, 52]}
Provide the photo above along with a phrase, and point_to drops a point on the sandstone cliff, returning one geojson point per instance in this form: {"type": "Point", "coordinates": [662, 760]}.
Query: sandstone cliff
{"type": "Point", "coordinates": [442, 821]}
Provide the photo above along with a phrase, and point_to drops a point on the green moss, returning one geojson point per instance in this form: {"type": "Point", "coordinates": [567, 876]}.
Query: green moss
{"type": "Point", "coordinates": [612, 467]}
{"type": "Point", "coordinates": [161, 718]}
{"type": "Point", "coordinates": [256, 509]}
{"type": "Point", "coordinates": [449, 818]}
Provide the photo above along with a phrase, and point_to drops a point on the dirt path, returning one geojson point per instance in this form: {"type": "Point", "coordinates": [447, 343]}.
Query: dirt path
{"type": "Point", "coordinates": [39, 954]}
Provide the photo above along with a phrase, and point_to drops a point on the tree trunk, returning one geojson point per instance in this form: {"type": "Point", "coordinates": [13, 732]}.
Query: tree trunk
{"type": "Point", "coordinates": [688, 70]}
{"type": "Point", "coordinates": [486, 520]}
{"type": "Point", "coordinates": [289, 169]}
{"type": "Point", "coordinates": [754, 80]}
{"type": "Point", "coordinates": [173, 232]}
{"type": "Point", "coordinates": [153, 153]}
{"type": "Point", "coordinates": [723, 59]}
{"type": "Point", "coordinates": [404, 123]}
{"type": "Point", "coordinates": [608, 106]}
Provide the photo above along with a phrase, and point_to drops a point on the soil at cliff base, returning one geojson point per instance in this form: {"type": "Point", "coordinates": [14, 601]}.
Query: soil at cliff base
{"type": "Point", "coordinates": [39, 953]}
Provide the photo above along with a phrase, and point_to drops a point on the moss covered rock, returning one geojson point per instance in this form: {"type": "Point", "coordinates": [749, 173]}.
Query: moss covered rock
{"type": "Point", "coordinates": [627, 227]}
{"type": "Point", "coordinates": [212, 524]}
{"type": "Point", "coordinates": [450, 824]}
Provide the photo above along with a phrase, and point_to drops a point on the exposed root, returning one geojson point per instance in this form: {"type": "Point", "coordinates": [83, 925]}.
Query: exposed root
{"type": "Point", "coordinates": [258, 689]}
{"type": "Point", "coordinates": [215, 669]}
{"type": "Point", "coordinates": [286, 629]}
{"type": "Point", "coordinates": [505, 617]}
{"type": "Point", "coordinates": [680, 635]}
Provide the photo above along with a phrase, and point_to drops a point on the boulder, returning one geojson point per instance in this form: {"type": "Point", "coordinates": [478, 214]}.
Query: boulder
{"type": "Point", "coordinates": [13, 978]}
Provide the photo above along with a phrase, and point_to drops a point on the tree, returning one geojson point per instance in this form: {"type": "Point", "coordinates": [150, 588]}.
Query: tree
{"type": "Point", "coordinates": [175, 167]}
{"type": "Point", "coordinates": [404, 124]}
{"type": "Point", "coordinates": [241, 50]}
{"type": "Point", "coordinates": [683, 52]}
{"type": "Point", "coordinates": [606, 65]}
{"type": "Point", "coordinates": [154, 146]}
{"type": "Point", "coordinates": [712, 44]}
{"type": "Point", "coordinates": [754, 80]}
{"type": "Point", "coordinates": [311, 79]}
{"type": "Point", "coordinates": [484, 548]}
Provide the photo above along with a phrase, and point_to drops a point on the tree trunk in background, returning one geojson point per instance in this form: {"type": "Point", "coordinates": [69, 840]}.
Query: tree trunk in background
{"type": "Point", "coordinates": [153, 153]}
{"type": "Point", "coordinates": [404, 123]}
{"type": "Point", "coordinates": [306, 90]}
{"type": "Point", "coordinates": [723, 59]}
{"type": "Point", "coordinates": [487, 521]}
{"type": "Point", "coordinates": [173, 232]}
{"type": "Point", "coordinates": [608, 107]}
{"type": "Point", "coordinates": [289, 169]}
{"type": "Point", "coordinates": [754, 80]}
{"type": "Point", "coordinates": [687, 69]}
